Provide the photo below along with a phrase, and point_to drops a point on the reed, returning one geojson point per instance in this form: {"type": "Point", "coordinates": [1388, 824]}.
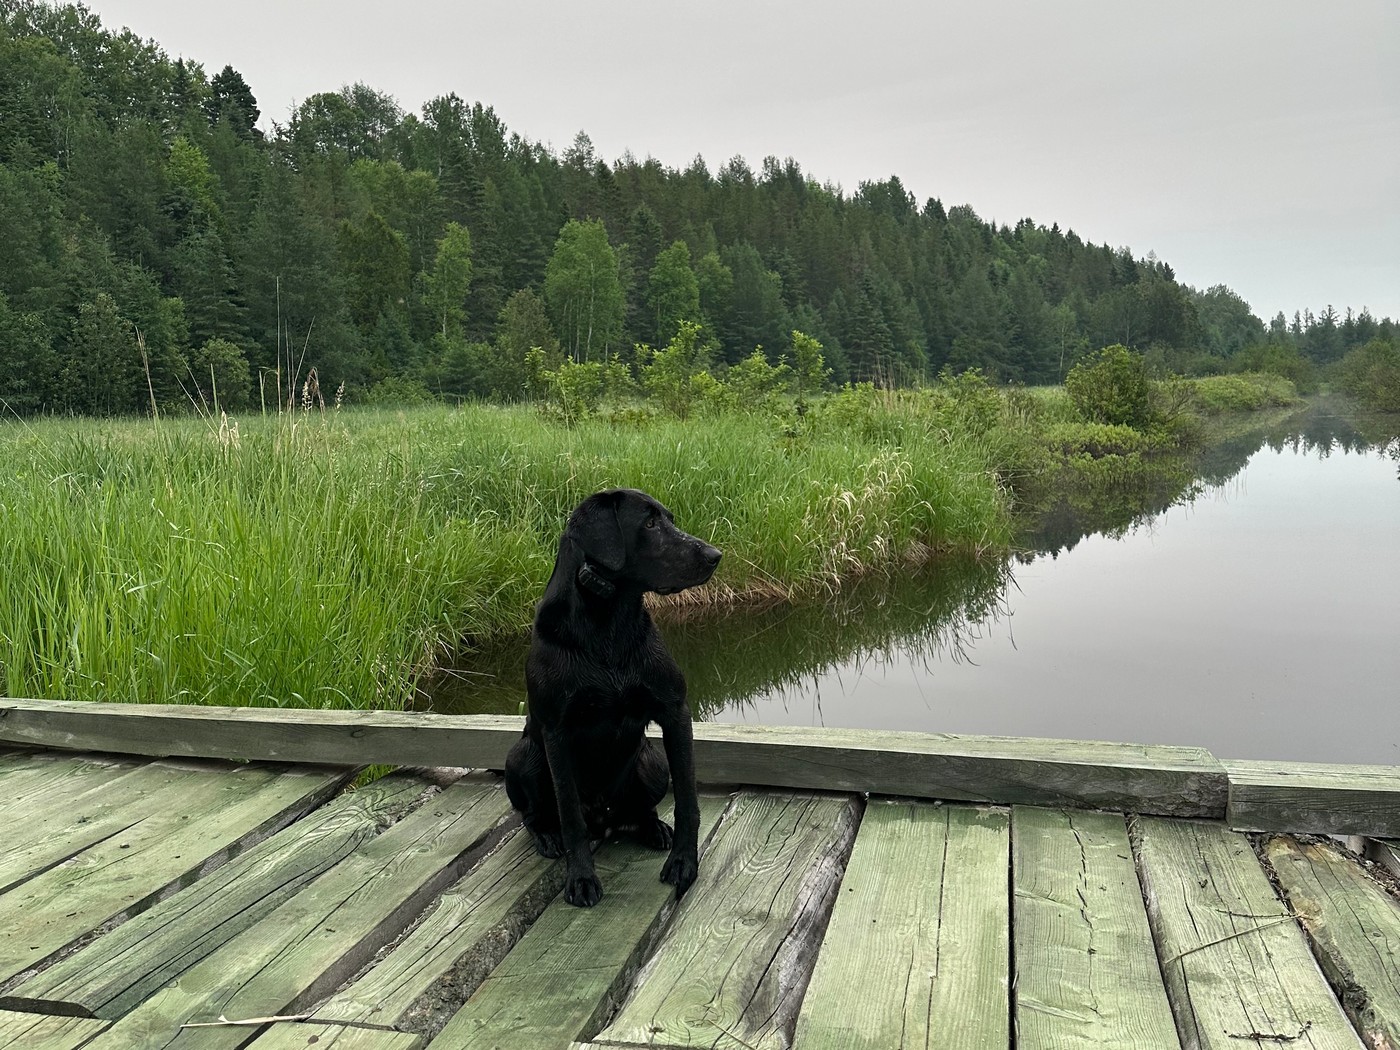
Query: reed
{"type": "Point", "coordinates": [332, 559]}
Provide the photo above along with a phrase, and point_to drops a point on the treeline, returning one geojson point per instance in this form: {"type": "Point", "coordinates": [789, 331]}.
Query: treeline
{"type": "Point", "coordinates": [160, 249]}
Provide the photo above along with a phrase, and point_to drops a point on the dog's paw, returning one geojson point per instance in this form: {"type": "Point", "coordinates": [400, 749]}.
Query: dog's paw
{"type": "Point", "coordinates": [680, 870]}
{"type": "Point", "coordinates": [549, 844]}
{"type": "Point", "coordinates": [654, 833]}
{"type": "Point", "coordinates": [583, 891]}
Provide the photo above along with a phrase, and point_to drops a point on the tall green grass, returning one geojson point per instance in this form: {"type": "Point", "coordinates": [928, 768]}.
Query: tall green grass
{"type": "Point", "coordinates": [330, 561]}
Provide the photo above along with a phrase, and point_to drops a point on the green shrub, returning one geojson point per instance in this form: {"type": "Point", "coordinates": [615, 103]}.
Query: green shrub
{"type": "Point", "coordinates": [1280, 360]}
{"type": "Point", "coordinates": [575, 390]}
{"type": "Point", "coordinates": [1244, 392]}
{"type": "Point", "coordinates": [1371, 374]}
{"type": "Point", "coordinates": [1111, 387]}
{"type": "Point", "coordinates": [670, 375]}
{"type": "Point", "coordinates": [1097, 440]}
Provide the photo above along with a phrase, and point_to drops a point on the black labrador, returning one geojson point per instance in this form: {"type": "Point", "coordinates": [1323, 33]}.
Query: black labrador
{"type": "Point", "coordinates": [596, 674]}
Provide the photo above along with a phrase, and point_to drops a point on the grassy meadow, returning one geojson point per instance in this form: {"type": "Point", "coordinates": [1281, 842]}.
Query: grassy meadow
{"type": "Point", "coordinates": [329, 560]}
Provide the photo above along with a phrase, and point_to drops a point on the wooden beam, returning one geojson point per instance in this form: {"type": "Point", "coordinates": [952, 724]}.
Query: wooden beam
{"type": "Point", "coordinates": [262, 734]}
{"type": "Point", "coordinates": [116, 972]}
{"type": "Point", "coordinates": [37, 1032]}
{"type": "Point", "coordinates": [570, 971]}
{"type": "Point", "coordinates": [1355, 929]}
{"type": "Point", "coordinates": [917, 951]}
{"type": "Point", "coordinates": [1086, 969]}
{"type": "Point", "coordinates": [732, 968]}
{"type": "Point", "coordinates": [1238, 971]}
{"type": "Point", "coordinates": [1309, 797]}
{"type": "Point", "coordinates": [320, 937]}
{"type": "Point", "coordinates": [1169, 781]}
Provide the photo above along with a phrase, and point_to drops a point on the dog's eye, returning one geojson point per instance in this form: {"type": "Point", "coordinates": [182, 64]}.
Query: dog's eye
{"type": "Point", "coordinates": [651, 522]}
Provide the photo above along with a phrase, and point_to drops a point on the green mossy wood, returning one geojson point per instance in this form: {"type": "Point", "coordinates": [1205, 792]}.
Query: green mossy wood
{"type": "Point", "coordinates": [220, 813]}
{"type": "Point", "coordinates": [289, 1036]}
{"type": "Point", "coordinates": [1354, 924]}
{"type": "Point", "coordinates": [917, 953]}
{"type": "Point", "coordinates": [560, 982]}
{"type": "Point", "coordinates": [323, 935]}
{"type": "Point", "coordinates": [1086, 970]}
{"type": "Point", "coordinates": [731, 968]}
{"type": "Point", "coordinates": [467, 932]}
{"type": "Point", "coordinates": [118, 971]}
{"type": "Point", "coordinates": [19, 1031]}
{"type": "Point", "coordinates": [1237, 969]}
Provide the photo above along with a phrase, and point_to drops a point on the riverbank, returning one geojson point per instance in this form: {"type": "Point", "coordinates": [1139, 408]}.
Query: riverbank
{"type": "Point", "coordinates": [329, 561]}
{"type": "Point", "coordinates": [333, 560]}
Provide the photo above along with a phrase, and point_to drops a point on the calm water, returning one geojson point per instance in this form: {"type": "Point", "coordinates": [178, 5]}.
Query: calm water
{"type": "Point", "coordinates": [1259, 617]}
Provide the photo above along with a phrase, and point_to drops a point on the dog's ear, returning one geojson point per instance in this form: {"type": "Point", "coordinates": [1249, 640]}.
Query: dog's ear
{"type": "Point", "coordinates": [594, 527]}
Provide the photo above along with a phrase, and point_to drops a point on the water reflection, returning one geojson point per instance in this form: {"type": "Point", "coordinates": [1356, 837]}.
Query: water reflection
{"type": "Point", "coordinates": [1248, 605]}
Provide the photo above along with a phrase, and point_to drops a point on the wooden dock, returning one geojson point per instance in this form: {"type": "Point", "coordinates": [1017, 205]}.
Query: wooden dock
{"type": "Point", "coordinates": [199, 878]}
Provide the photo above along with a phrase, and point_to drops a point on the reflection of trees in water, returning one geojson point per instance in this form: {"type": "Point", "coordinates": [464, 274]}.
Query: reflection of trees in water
{"type": "Point", "coordinates": [1332, 424]}
{"type": "Point", "coordinates": [733, 656]}
{"type": "Point", "coordinates": [1325, 426]}
{"type": "Point", "coordinates": [732, 659]}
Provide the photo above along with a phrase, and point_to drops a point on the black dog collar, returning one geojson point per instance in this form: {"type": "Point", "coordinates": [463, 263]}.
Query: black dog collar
{"type": "Point", "coordinates": [590, 580]}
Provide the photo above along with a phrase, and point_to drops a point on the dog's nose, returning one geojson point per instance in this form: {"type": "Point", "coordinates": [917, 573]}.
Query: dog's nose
{"type": "Point", "coordinates": [712, 555]}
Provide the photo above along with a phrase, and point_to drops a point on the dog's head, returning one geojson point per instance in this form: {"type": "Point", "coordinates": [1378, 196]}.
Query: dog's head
{"type": "Point", "coordinates": [626, 537]}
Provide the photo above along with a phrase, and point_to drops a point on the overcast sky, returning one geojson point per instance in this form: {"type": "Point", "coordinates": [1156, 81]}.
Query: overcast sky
{"type": "Point", "coordinates": [1253, 143]}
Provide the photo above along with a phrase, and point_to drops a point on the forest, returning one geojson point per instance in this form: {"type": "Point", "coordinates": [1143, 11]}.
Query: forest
{"type": "Point", "coordinates": [161, 250]}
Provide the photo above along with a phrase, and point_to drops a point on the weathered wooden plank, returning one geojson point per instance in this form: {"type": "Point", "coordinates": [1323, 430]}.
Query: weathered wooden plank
{"type": "Point", "coordinates": [262, 734]}
{"type": "Point", "coordinates": [57, 829]}
{"type": "Point", "coordinates": [1354, 925]}
{"type": "Point", "coordinates": [288, 1036]}
{"type": "Point", "coordinates": [20, 1031]}
{"type": "Point", "coordinates": [1086, 967]}
{"type": "Point", "coordinates": [564, 977]}
{"type": "Point", "coordinates": [730, 971]}
{"type": "Point", "coordinates": [29, 781]}
{"type": "Point", "coordinates": [1237, 970]}
{"type": "Point", "coordinates": [316, 940]}
{"type": "Point", "coordinates": [469, 930]}
{"type": "Point", "coordinates": [41, 788]}
{"type": "Point", "coordinates": [1173, 781]}
{"type": "Point", "coordinates": [219, 815]}
{"type": "Point", "coordinates": [916, 954]}
{"type": "Point", "coordinates": [1326, 799]}
{"type": "Point", "coordinates": [117, 971]}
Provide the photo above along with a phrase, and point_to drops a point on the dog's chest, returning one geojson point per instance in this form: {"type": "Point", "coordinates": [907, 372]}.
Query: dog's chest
{"type": "Point", "coordinates": [607, 699]}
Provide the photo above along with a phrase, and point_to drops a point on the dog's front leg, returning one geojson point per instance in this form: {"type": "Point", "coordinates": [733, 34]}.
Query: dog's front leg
{"type": "Point", "coordinates": [683, 863]}
{"type": "Point", "coordinates": [581, 886]}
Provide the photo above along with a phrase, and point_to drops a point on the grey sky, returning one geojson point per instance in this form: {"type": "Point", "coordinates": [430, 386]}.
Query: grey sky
{"type": "Point", "coordinates": [1254, 143]}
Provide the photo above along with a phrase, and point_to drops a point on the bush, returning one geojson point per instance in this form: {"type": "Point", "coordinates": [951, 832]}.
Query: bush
{"type": "Point", "coordinates": [1280, 360]}
{"type": "Point", "coordinates": [1246, 392]}
{"type": "Point", "coordinates": [1111, 387]}
{"type": "Point", "coordinates": [1371, 374]}
{"type": "Point", "coordinates": [671, 376]}
{"type": "Point", "coordinates": [397, 391]}
{"type": "Point", "coordinates": [221, 375]}
{"type": "Point", "coordinates": [575, 390]}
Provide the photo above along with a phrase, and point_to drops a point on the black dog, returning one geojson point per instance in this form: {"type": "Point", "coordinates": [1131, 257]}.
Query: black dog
{"type": "Point", "coordinates": [596, 674]}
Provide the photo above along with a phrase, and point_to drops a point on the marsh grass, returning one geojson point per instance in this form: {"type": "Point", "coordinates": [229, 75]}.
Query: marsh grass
{"type": "Point", "coordinates": [333, 559]}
